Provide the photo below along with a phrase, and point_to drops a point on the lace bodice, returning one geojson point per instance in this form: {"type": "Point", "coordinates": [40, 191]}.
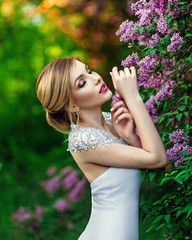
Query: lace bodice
{"type": "Point", "coordinates": [83, 138]}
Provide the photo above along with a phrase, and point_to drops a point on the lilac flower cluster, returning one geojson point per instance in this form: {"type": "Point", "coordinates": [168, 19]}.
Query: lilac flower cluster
{"type": "Point", "coordinates": [62, 205]}
{"type": "Point", "coordinates": [149, 14]}
{"type": "Point", "coordinates": [21, 215]}
{"type": "Point", "coordinates": [154, 39]}
{"type": "Point", "coordinates": [70, 181]}
{"type": "Point", "coordinates": [146, 67]}
{"type": "Point", "coordinates": [180, 144]}
{"type": "Point", "coordinates": [162, 24]}
{"type": "Point", "coordinates": [76, 194]}
{"type": "Point", "coordinates": [176, 42]}
{"type": "Point", "coordinates": [131, 60]}
{"type": "Point", "coordinates": [116, 98]}
{"type": "Point", "coordinates": [166, 92]}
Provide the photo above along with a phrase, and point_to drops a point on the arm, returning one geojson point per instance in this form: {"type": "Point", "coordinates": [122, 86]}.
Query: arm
{"type": "Point", "coordinates": [126, 84]}
{"type": "Point", "coordinates": [134, 141]}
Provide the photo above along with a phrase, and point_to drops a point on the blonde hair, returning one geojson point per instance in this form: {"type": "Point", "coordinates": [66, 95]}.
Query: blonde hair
{"type": "Point", "coordinates": [54, 92]}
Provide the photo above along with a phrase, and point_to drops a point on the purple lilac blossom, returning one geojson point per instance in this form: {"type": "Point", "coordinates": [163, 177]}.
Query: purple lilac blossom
{"type": "Point", "coordinates": [62, 205]}
{"type": "Point", "coordinates": [125, 29]}
{"type": "Point", "coordinates": [154, 39]}
{"type": "Point", "coordinates": [165, 92]}
{"type": "Point", "coordinates": [179, 137]}
{"type": "Point", "coordinates": [51, 171]}
{"type": "Point", "coordinates": [131, 60]}
{"type": "Point", "coordinates": [146, 67]}
{"type": "Point", "coordinates": [143, 15]}
{"type": "Point", "coordinates": [176, 42]}
{"type": "Point", "coordinates": [174, 152]}
{"type": "Point", "coordinates": [39, 212]}
{"type": "Point", "coordinates": [21, 215]}
{"type": "Point", "coordinates": [66, 170]}
{"type": "Point", "coordinates": [181, 144]}
{"type": "Point", "coordinates": [77, 192]}
{"type": "Point", "coordinates": [69, 181]}
{"type": "Point", "coordinates": [116, 98]}
{"type": "Point", "coordinates": [52, 185]}
{"type": "Point", "coordinates": [162, 25]}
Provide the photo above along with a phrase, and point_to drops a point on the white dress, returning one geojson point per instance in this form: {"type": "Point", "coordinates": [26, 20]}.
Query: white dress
{"type": "Point", "coordinates": [115, 193]}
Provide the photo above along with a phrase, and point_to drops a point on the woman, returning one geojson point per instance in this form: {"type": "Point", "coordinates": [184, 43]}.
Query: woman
{"type": "Point", "coordinates": [105, 146]}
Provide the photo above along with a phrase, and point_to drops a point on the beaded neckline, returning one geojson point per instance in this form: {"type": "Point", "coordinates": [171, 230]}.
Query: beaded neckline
{"type": "Point", "coordinates": [74, 125]}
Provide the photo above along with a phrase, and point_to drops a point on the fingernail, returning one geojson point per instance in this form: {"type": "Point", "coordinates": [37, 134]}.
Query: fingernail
{"type": "Point", "coordinates": [110, 73]}
{"type": "Point", "coordinates": [111, 109]}
{"type": "Point", "coordinates": [116, 121]}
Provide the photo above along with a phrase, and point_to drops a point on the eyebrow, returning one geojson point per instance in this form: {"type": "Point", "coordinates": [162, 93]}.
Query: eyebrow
{"type": "Point", "coordinates": [81, 75]}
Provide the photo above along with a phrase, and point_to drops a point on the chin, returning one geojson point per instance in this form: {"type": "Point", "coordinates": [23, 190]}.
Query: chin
{"type": "Point", "coordinates": [108, 96]}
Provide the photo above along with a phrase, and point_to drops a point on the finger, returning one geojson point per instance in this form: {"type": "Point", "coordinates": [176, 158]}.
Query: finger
{"type": "Point", "coordinates": [133, 70]}
{"type": "Point", "coordinates": [121, 73]}
{"type": "Point", "coordinates": [115, 73]}
{"type": "Point", "coordinates": [116, 105]}
{"type": "Point", "coordinates": [123, 116]}
{"type": "Point", "coordinates": [126, 70]}
{"type": "Point", "coordinates": [119, 112]}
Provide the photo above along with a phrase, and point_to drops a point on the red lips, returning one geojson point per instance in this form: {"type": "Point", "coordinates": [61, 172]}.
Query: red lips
{"type": "Point", "coordinates": [102, 87]}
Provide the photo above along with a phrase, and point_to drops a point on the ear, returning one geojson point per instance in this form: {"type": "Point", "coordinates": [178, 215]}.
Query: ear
{"type": "Point", "coordinates": [72, 109]}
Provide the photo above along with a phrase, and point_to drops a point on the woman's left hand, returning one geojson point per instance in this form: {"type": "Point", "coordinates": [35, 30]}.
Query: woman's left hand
{"type": "Point", "coordinates": [122, 120]}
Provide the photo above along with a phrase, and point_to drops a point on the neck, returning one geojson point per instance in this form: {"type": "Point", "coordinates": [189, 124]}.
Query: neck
{"type": "Point", "coordinates": [92, 118]}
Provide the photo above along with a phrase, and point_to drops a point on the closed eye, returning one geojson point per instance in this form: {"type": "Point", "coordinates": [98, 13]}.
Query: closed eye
{"type": "Point", "coordinates": [81, 84]}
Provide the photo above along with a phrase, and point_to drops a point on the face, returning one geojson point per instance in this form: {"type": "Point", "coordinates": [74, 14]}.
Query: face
{"type": "Point", "coordinates": [88, 88]}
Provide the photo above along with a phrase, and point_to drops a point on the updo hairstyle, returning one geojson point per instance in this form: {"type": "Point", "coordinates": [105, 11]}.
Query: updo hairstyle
{"type": "Point", "coordinates": [54, 92]}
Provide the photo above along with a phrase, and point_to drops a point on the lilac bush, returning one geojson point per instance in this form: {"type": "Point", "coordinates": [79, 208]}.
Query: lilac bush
{"type": "Point", "coordinates": [162, 65]}
{"type": "Point", "coordinates": [161, 43]}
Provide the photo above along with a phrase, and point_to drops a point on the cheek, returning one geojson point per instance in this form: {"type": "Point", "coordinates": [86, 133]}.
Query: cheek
{"type": "Point", "coordinates": [86, 98]}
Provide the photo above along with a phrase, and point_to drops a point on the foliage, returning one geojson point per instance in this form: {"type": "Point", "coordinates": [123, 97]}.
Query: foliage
{"type": "Point", "coordinates": [59, 215]}
{"type": "Point", "coordinates": [162, 35]}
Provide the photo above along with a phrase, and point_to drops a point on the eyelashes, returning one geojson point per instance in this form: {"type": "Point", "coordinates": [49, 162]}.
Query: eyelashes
{"type": "Point", "coordinates": [91, 70]}
{"type": "Point", "coordinates": [81, 85]}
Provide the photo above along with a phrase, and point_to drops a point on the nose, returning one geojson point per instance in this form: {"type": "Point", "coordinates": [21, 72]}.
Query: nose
{"type": "Point", "coordinates": [97, 79]}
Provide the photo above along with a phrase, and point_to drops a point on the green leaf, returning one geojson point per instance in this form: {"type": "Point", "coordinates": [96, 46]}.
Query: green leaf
{"type": "Point", "coordinates": [183, 153]}
{"type": "Point", "coordinates": [189, 212]}
{"type": "Point", "coordinates": [135, 30]}
{"type": "Point", "coordinates": [141, 30]}
{"type": "Point", "coordinates": [188, 158]}
{"type": "Point", "coordinates": [178, 117]}
{"type": "Point", "coordinates": [186, 114]}
{"type": "Point", "coordinates": [179, 180]}
{"type": "Point", "coordinates": [164, 180]}
{"type": "Point", "coordinates": [167, 217]}
{"type": "Point", "coordinates": [152, 175]}
{"type": "Point", "coordinates": [168, 121]}
{"type": "Point", "coordinates": [179, 213]}
{"type": "Point", "coordinates": [146, 29]}
{"type": "Point", "coordinates": [157, 219]}
{"type": "Point", "coordinates": [181, 108]}
{"type": "Point", "coordinates": [143, 174]}
{"type": "Point", "coordinates": [151, 52]}
{"type": "Point", "coordinates": [178, 200]}
{"type": "Point", "coordinates": [149, 229]}
{"type": "Point", "coordinates": [182, 3]}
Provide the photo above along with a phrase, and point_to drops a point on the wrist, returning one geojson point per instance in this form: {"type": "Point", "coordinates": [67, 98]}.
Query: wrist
{"type": "Point", "coordinates": [131, 100]}
{"type": "Point", "coordinates": [133, 140]}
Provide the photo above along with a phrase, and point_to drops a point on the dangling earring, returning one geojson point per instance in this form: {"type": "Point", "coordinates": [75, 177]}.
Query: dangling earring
{"type": "Point", "coordinates": [78, 112]}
